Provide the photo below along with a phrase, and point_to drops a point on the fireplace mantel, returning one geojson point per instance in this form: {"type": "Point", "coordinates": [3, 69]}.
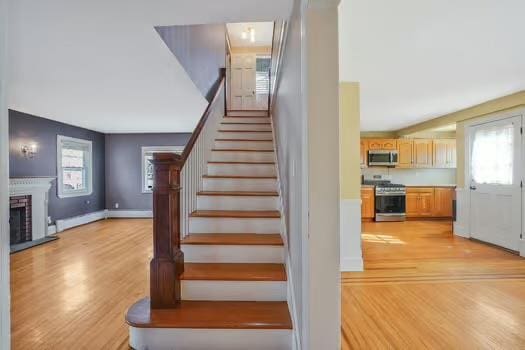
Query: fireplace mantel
{"type": "Point", "coordinates": [38, 189]}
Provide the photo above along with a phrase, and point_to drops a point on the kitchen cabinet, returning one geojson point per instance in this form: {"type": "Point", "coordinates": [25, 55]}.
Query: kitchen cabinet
{"type": "Point", "coordinates": [419, 202]}
{"type": "Point", "coordinates": [444, 153]}
{"type": "Point", "coordinates": [405, 148]}
{"type": "Point", "coordinates": [382, 144]}
{"type": "Point", "coordinates": [364, 153]}
{"type": "Point", "coordinates": [443, 197]}
{"type": "Point", "coordinates": [422, 153]}
{"type": "Point", "coordinates": [367, 203]}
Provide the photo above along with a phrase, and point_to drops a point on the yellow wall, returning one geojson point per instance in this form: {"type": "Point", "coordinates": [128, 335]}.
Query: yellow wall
{"type": "Point", "coordinates": [349, 140]}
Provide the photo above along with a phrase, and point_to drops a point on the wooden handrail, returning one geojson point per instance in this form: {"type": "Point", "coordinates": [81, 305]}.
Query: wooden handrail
{"type": "Point", "coordinates": [195, 135]}
{"type": "Point", "coordinates": [167, 263]}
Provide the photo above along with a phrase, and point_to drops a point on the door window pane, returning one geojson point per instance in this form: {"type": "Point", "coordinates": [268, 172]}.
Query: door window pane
{"type": "Point", "coordinates": [492, 155]}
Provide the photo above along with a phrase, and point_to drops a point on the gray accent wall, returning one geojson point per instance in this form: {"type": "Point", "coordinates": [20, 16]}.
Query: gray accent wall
{"type": "Point", "coordinates": [200, 49]}
{"type": "Point", "coordinates": [26, 129]}
{"type": "Point", "coordinates": [124, 167]}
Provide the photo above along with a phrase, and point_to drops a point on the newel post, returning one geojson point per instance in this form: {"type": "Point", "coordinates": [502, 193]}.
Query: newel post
{"type": "Point", "coordinates": [168, 260]}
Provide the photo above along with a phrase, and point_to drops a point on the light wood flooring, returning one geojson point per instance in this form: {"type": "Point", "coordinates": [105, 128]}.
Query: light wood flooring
{"type": "Point", "coordinates": [424, 288]}
{"type": "Point", "coordinates": [73, 293]}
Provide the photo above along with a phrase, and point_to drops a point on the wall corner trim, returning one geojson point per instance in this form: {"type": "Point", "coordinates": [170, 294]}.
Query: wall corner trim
{"type": "Point", "coordinates": [350, 231]}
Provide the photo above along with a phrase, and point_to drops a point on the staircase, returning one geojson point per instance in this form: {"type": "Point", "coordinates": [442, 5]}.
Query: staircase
{"type": "Point", "coordinates": [234, 284]}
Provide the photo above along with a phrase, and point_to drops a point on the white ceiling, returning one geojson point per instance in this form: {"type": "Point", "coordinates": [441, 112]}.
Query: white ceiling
{"type": "Point", "coordinates": [416, 60]}
{"type": "Point", "coordinates": [263, 34]}
{"type": "Point", "coordinates": [101, 65]}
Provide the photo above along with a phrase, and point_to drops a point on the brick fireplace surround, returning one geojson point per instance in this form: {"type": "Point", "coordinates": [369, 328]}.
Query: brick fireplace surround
{"type": "Point", "coordinates": [22, 232]}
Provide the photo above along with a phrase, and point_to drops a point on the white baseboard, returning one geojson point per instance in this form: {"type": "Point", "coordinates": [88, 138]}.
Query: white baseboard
{"type": "Point", "coordinates": [522, 248]}
{"type": "Point", "coordinates": [350, 235]}
{"type": "Point", "coordinates": [352, 264]}
{"type": "Point", "coordinates": [129, 213]}
{"type": "Point", "coordinates": [51, 230]}
{"type": "Point", "coordinates": [65, 224]}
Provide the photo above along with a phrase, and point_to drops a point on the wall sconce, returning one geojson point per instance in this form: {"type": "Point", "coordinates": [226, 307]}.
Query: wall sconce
{"type": "Point", "coordinates": [29, 151]}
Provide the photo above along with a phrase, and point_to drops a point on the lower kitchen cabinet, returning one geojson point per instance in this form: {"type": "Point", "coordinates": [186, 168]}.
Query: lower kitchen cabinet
{"type": "Point", "coordinates": [367, 203]}
{"type": "Point", "coordinates": [419, 202]}
{"type": "Point", "coordinates": [443, 197]}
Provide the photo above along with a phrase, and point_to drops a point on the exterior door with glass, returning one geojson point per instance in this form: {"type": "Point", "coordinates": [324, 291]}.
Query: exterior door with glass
{"type": "Point", "coordinates": [495, 182]}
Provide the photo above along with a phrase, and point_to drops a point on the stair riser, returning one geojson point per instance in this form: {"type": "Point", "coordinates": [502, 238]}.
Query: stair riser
{"type": "Point", "coordinates": [217, 339]}
{"type": "Point", "coordinates": [232, 253]}
{"type": "Point", "coordinates": [237, 203]}
{"type": "Point", "coordinates": [226, 156]}
{"type": "Point", "coordinates": [261, 145]}
{"type": "Point", "coordinates": [241, 169]}
{"type": "Point", "coordinates": [240, 135]}
{"type": "Point", "coordinates": [234, 225]}
{"type": "Point", "coordinates": [234, 290]}
{"type": "Point", "coordinates": [239, 184]}
{"type": "Point", "coordinates": [248, 113]}
{"type": "Point", "coordinates": [247, 120]}
{"type": "Point", "coordinates": [259, 127]}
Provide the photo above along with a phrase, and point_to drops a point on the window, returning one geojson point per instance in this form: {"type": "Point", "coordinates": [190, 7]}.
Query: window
{"type": "Point", "coordinates": [262, 78]}
{"type": "Point", "coordinates": [492, 155]}
{"type": "Point", "coordinates": [74, 167]}
{"type": "Point", "coordinates": [147, 167]}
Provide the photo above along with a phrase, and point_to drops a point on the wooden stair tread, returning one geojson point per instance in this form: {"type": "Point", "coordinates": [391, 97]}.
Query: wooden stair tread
{"type": "Point", "coordinates": [242, 150]}
{"type": "Point", "coordinates": [233, 272]}
{"type": "Point", "coordinates": [233, 239]}
{"type": "Point", "coordinates": [238, 162]}
{"type": "Point", "coordinates": [212, 315]}
{"type": "Point", "coordinates": [245, 131]}
{"type": "Point", "coordinates": [243, 140]}
{"type": "Point", "coordinates": [239, 193]}
{"type": "Point", "coordinates": [238, 177]}
{"type": "Point", "coordinates": [246, 116]}
{"type": "Point", "coordinates": [248, 214]}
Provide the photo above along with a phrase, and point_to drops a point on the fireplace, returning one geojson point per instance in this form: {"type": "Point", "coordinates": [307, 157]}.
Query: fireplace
{"type": "Point", "coordinates": [20, 219]}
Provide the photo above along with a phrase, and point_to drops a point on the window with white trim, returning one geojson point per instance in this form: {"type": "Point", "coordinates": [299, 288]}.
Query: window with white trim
{"type": "Point", "coordinates": [74, 167]}
{"type": "Point", "coordinates": [147, 167]}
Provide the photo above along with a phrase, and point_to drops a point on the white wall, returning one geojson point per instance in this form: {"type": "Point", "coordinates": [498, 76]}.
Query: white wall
{"type": "Point", "coordinates": [416, 176]}
{"type": "Point", "coordinates": [4, 187]}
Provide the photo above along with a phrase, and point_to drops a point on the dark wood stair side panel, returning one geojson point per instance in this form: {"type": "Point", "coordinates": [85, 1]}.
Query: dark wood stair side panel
{"type": "Point", "coordinates": [240, 214]}
{"type": "Point", "coordinates": [212, 315]}
{"type": "Point", "coordinates": [273, 239]}
{"type": "Point", "coordinates": [233, 272]}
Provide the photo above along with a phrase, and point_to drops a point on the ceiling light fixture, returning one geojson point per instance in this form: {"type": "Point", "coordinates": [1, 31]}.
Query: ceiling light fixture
{"type": "Point", "coordinates": [252, 35]}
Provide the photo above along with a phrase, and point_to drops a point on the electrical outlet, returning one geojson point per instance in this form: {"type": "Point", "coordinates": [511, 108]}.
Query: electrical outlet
{"type": "Point", "coordinates": [116, 205]}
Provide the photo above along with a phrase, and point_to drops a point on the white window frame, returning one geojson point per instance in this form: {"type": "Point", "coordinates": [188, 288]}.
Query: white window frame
{"type": "Point", "coordinates": [154, 149]}
{"type": "Point", "coordinates": [88, 165]}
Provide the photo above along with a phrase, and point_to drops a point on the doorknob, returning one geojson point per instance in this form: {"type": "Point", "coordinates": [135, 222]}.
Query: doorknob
{"type": "Point", "coordinates": [473, 188]}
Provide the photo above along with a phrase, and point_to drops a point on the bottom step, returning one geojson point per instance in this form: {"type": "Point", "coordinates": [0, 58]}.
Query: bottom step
{"type": "Point", "coordinates": [211, 325]}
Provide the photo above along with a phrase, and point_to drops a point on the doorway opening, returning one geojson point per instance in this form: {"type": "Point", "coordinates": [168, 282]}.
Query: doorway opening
{"type": "Point", "coordinates": [248, 65]}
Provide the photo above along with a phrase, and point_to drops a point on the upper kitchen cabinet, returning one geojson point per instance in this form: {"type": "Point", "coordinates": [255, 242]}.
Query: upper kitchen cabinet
{"type": "Point", "coordinates": [382, 144]}
{"type": "Point", "coordinates": [444, 153]}
{"type": "Point", "coordinates": [364, 152]}
{"type": "Point", "coordinates": [405, 147]}
{"type": "Point", "coordinates": [422, 153]}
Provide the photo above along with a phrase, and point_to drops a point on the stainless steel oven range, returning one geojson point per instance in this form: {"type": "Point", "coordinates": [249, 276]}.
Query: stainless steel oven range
{"type": "Point", "coordinates": [390, 202]}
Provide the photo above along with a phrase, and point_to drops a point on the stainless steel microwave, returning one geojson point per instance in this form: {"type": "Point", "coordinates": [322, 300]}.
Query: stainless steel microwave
{"type": "Point", "coordinates": [382, 158]}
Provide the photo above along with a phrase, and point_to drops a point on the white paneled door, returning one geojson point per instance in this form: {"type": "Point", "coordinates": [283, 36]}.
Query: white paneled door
{"type": "Point", "coordinates": [495, 182]}
{"type": "Point", "coordinates": [243, 81]}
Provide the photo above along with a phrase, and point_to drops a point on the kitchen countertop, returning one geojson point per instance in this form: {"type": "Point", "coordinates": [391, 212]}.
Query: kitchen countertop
{"type": "Point", "coordinates": [425, 185]}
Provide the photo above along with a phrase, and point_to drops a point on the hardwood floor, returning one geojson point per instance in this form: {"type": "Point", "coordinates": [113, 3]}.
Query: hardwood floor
{"type": "Point", "coordinates": [423, 288]}
{"type": "Point", "coordinates": [73, 293]}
